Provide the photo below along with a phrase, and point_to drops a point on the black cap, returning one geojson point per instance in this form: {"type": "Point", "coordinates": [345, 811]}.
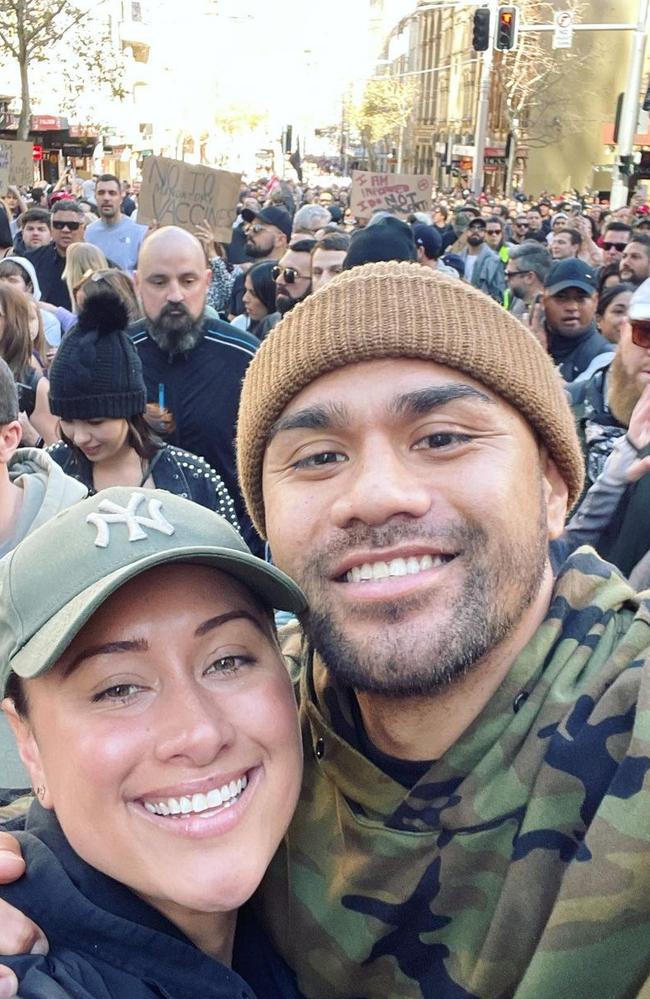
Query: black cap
{"type": "Point", "coordinates": [570, 273]}
{"type": "Point", "coordinates": [390, 239]}
{"type": "Point", "coordinates": [477, 223]}
{"type": "Point", "coordinates": [97, 372]}
{"type": "Point", "coordinates": [272, 216]}
{"type": "Point", "coordinates": [428, 237]}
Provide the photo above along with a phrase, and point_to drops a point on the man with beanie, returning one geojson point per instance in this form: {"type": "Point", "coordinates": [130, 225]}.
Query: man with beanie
{"type": "Point", "coordinates": [473, 821]}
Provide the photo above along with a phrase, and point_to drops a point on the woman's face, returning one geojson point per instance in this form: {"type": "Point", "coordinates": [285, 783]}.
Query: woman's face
{"type": "Point", "coordinates": [255, 308]}
{"type": "Point", "coordinates": [11, 201]}
{"type": "Point", "coordinates": [167, 740]}
{"type": "Point", "coordinates": [17, 281]}
{"type": "Point", "coordinates": [99, 440]}
{"type": "Point", "coordinates": [614, 316]}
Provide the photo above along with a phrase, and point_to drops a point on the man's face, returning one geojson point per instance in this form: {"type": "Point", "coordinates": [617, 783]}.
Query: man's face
{"type": "Point", "coordinates": [562, 247]}
{"type": "Point", "coordinates": [633, 360]}
{"type": "Point", "coordinates": [325, 265]}
{"type": "Point", "coordinates": [475, 234]}
{"type": "Point", "coordinates": [109, 199]}
{"type": "Point", "coordinates": [570, 312]}
{"type": "Point", "coordinates": [36, 234]}
{"type": "Point", "coordinates": [439, 218]}
{"type": "Point", "coordinates": [614, 242]}
{"type": "Point", "coordinates": [408, 515]}
{"type": "Point", "coordinates": [293, 282]}
{"type": "Point", "coordinates": [67, 228]}
{"type": "Point", "coordinates": [635, 263]}
{"type": "Point", "coordinates": [518, 280]}
{"type": "Point", "coordinates": [173, 283]}
{"type": "Point", "coordinates": [520, 228]}
{"type": "Point", "coordinates": [534, 220]}
{"type": "Point", "coordinates": [493, 235]}
{"type": "Point", "coordinates": [261, 239]}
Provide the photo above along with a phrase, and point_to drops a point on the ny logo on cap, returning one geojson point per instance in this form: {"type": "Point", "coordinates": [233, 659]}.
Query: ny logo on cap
{"type": "Point", "coordinates": [113, 513]}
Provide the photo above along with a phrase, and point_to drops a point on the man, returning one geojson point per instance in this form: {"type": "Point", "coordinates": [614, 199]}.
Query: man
{"type": "Point", "coordinates": [616, 236]}
{"type": "Point", "coordinates": [35, 228]}
{"type": "Point", "coordinates": [536, 225]}
{"type": "Point", "coordinates": [128, 202]}
{"type": "Point", "coordinates": [520, 229]}
{"type": "Point", "coordinates": [33, 488]}
{"type": "Point", "coordinates": [114, 233]}
{"type": "Point", "coordinates": [483, 268]}
{"type": "Point", "coordinates": [308, 220]}
{"type": "Point", "coordinates": [327, 258]}
{"type": "Point", "coordinates": [525, 273]}
{"type": "Point", "coordinates": [473, 758]}
{"type": "Point", "coordinates": [570, 300]}
{"type": "Point", "coordinates": [603, 406]}
{"type": "Point", "coordinates": [494, 238]}
{"type": "Point", "coordinates": [635, 259]}
{"type": "Point", "coordinates": [292, 275]}
{"type": "Point", "coordinates": [429, 248]}
{"type": "Point", "coordinates": [68, 224]}
{"type": "Point", "coordinates": [444, 227]}
{"type": "Point", "coordinates": [269, 232]}
{"type": "Point", "coordinates": [565, 244]}
{"type": "Point", "coordinates": [192, 363]}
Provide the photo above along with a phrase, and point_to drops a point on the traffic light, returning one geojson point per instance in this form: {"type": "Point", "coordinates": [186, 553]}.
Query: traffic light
{"type": "Point", "coordinates": [481, 30]}
{"type": "Point", "coordinates": [506, 37]}
{"type": "Point", "coordinates": [37, 153]}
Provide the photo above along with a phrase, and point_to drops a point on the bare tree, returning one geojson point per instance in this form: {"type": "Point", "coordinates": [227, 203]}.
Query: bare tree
{"type": "Point", "coordinates": [385, 109]}
{"type": "Point", "coordinates": [28, 30]}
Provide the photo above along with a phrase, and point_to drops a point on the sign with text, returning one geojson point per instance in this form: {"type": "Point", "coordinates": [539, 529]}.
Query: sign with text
{"type": "Point", "coordinates": [402, 193]}
{"type": "Point", "coordinates": [177, 193]}
{"type": "Point", "coordinates": [563, 31]}
{"type": "Point", "coordinates": [16, 164]}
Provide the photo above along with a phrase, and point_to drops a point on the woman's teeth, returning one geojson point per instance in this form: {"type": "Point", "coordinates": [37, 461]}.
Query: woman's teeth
{"type": "Point", "coordinates": [396, 567]}
{"type": "Point", "coordinates": [218, 797]}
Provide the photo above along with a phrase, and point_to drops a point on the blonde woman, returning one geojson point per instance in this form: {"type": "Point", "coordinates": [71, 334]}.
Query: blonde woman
{"type": "Point", "coordinates": [81, 260]}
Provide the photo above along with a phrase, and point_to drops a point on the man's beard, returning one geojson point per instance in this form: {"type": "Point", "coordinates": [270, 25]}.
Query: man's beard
{"type": "Point", "coordinates": [623, 391]}
{"type": "Point", "coordinates": [254, 251]}
{"type": "Point", "coordinates": [284, 303]}
{"type": "Point", "coordinates": [475, 240]}
{"type": "Point", "coordinates": [175, 330]}
{"type": "Point", "coordinates": [398, 663]}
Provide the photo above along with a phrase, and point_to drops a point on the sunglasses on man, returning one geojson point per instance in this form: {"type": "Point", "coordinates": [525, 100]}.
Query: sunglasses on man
{"type": "Point", "coordinates": [72, 226]}
{"type": "Point", "coordinates": [614, 246]}
{"type": "Point", "coordinates": [641, 332]}
{"type": "Point", "coordinates": [290, 274]}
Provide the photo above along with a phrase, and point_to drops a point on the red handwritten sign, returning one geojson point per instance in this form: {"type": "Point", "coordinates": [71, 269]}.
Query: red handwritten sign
{"type": "Point", "coordinates": [401, 193]}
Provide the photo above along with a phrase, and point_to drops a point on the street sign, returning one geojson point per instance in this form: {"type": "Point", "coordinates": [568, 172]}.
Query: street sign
{"type": "Point", "coordinates": [563, 33]}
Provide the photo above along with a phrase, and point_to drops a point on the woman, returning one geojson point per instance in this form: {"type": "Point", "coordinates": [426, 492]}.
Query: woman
{"type": "Point", "coordinates": [611, 313]}
{"type": "Point", "coordinates": [81, 260]}
{"type": "Point", "coordinates": [16, 349]}
{"type": "Point", "coordinates": [16, 205]}
{"type": "Point", "coordinates": [97, 390]}
{"type": "Point", "coordinates": [20, 272]}
{"type": "Point", "coordinates": [182, 759]}
{"type": "Point", "coordinates": [259, 296]}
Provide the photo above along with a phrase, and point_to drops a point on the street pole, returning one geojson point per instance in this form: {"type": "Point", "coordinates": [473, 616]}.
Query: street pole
{"type": "Point", "coordinates": [630, 109]}
{"type": "Point", "coordinates": [484, 105]}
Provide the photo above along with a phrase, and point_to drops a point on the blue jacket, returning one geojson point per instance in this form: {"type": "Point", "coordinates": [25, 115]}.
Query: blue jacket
{"type": "Point", "coordinates": [106, 943]}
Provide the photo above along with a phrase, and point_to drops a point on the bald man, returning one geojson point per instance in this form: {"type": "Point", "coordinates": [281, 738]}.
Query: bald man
{"type": "Point", "coordinates": [193, 362]}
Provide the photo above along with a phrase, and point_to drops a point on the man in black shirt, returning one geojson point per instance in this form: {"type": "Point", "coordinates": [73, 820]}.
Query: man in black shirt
{"type": "Point", "coordinates": [68, 226]}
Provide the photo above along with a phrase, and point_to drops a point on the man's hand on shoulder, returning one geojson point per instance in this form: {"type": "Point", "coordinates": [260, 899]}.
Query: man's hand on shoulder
{"type": "Point", "coordinates": [18, 935]}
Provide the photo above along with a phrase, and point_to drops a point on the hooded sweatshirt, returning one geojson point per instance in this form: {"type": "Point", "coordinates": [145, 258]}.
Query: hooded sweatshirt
{"type": "Point", "coordinates": [46, 491]}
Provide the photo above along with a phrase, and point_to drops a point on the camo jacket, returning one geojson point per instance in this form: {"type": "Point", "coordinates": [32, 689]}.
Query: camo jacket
{"type": "Point", "coordinates": [519, 865]}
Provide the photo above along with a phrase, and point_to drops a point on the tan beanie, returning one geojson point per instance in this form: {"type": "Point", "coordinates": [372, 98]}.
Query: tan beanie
{"type": "Point", "coordinates": [402, 310]}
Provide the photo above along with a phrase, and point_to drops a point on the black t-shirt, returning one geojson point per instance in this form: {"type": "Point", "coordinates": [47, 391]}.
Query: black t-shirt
{"type": "Point", "coordinates": [49, 266]}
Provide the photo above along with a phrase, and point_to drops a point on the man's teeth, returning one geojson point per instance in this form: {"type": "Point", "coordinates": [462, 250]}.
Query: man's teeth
{"type": "Point", "coordinates": [396, 567]}
{"type": "Point", "coordinates": [216, 798]}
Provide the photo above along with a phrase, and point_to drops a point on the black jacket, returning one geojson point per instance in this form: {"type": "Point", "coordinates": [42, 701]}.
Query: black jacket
{"type": "Point", "coordinates": [574, 354]}
{"type": "Point", "coordinates": [106, 943]}
{"type": "Point", "coordinates": [49, 266]}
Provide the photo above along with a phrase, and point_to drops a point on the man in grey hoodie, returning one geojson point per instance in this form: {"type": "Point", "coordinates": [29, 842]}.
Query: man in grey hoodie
{"type": "Point", "coordinates": [33, 488]}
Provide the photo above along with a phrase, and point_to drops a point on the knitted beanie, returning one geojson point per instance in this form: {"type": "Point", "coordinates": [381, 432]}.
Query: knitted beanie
{"type": "Point", "coordinates": [402, 310]}
{"type": "Point", "coordinates": [97, 373]}
{"type": "Point", "coordinates": [389, 239]}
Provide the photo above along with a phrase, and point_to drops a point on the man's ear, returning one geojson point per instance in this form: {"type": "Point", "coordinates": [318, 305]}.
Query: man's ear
{"type": "Point", "coordinates": [28, 751]}
{"type": "Point", "coordinates": [556, 494]}
{"type": "Point", "coordinates": [10, 438]}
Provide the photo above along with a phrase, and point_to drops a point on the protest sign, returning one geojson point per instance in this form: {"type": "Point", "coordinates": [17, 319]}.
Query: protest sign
{"type": "Point", "coordinates": [5, 163]}
{"type": "Point", "coordinates": [177, 193]}
{"type": "Point", "coordinates": [401, 193]}
{"type": "Point", "coordinates": [16, 164]}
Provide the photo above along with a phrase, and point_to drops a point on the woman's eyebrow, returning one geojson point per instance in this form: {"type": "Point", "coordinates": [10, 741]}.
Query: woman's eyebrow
{"type": "Point", "coordinates": [106, 648]}
{"type": "Point", "coordinates": [233, 615]}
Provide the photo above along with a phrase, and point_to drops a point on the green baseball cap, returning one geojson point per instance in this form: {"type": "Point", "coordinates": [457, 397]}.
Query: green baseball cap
{"type": "Point", "coordinates": [55, 579]}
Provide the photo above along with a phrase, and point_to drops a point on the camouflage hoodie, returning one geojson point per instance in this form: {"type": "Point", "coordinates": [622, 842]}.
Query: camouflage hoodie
{"type": "Point", "coordinates": [519, 865]}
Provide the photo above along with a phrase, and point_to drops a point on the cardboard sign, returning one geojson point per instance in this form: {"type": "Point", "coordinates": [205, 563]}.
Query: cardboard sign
{"type": "Point", "coordinates": [16, 164]}
{"type": "Point", "coordinates": [177, 193]}
{"type": "Point", "coordinates": [401, 193]}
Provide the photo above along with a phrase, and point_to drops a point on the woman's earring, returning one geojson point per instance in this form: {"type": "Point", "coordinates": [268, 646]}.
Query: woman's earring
{"type": "Point", "coordinates": [40, 791]}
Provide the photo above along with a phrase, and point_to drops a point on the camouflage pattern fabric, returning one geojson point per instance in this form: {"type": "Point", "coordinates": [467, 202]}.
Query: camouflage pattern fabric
{"type": "Point", "coordinates": [519, 865]}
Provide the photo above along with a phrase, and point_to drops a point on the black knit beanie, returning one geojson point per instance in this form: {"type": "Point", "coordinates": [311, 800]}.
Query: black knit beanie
{"type": "Point", "coordinates": [97, 373]}
{"type": "Point", "coordinates": [390, 239]}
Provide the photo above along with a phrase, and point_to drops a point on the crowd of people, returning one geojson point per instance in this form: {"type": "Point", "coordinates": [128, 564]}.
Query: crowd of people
{"type": "Point", "coordinates": [419, 444]}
